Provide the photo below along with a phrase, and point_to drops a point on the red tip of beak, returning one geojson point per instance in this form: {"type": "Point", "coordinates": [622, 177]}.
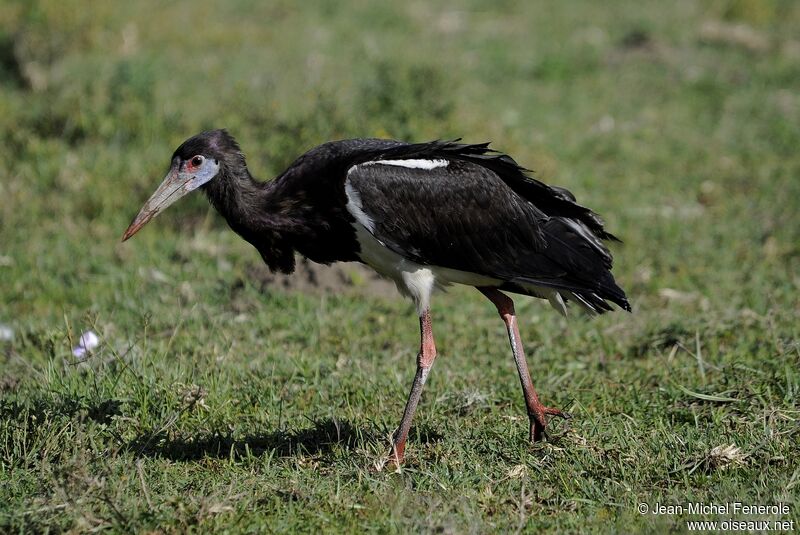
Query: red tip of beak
{"type": "Point", "coordinates": [137, 224]}
{"type": "Point", "coordinates": [128, 233]}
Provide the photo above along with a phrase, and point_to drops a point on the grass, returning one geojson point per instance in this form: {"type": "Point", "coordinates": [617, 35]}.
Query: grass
{"type": "Point", "coordinates": [218, 403]}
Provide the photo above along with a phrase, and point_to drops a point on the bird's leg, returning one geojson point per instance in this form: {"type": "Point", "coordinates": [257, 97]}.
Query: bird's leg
{"type": "Point", "coordinates": [537, 413]}
{"type": "Point", "coordinates": [425, 358]}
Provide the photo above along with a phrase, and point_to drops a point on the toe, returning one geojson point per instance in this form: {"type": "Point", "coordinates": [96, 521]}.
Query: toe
{"type": "Point", "coordinates": [556, 412]}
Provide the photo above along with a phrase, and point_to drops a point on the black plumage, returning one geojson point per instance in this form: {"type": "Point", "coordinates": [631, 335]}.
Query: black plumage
{"type": "Point", "coordinates": [423, 213]}
{"type": "Point", "coordinates": [490, 224]}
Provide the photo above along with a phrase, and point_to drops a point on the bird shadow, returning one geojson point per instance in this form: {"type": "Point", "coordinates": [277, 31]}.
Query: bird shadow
{"type": "Point", "coordinates": [318, 440]}
{"type": "Point", "coordinates": [38, 410]}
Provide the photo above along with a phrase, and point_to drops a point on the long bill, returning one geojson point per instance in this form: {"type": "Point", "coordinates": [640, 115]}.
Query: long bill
{"type": "Point", "coordinates": [172, 188]}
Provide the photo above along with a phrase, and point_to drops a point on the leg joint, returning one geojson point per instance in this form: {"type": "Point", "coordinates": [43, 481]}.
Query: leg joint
{"type": "Point", "coordinates": [425, 359]}
{"type": "Point", "coordinates": [504, 304]}
{"type": "Point", "coordinates": [505, 307]}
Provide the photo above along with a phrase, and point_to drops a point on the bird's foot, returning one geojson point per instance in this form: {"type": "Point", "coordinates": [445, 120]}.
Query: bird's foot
{"type": "Point", "coordinates": [538, 418]}
{"type": "Point", "coordinates": [394, 459]}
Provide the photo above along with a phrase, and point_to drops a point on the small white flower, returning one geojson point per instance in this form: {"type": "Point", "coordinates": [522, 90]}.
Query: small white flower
{"type": "Point", "coordinates": [6, 333]}
{"type": "Point", "coordinates": [88, 341]}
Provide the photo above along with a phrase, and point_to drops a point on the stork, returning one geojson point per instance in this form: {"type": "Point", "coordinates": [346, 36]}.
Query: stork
{"type": "Point", "coordinates": [425, 215]}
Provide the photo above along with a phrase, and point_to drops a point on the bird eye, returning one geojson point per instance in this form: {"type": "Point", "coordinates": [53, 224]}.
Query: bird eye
{"type": "Point", "coordinates": [197, 161]}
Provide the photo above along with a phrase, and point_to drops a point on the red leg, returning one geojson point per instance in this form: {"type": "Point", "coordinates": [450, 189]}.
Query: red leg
{"type": "Point", "coordinates": [537, 413]}
{"type": "Point", "coordinates": [425, 358]}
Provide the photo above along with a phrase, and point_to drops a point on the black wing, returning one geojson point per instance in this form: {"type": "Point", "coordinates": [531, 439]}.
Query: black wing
{"type": "Point", "coordinates": [480, 213]}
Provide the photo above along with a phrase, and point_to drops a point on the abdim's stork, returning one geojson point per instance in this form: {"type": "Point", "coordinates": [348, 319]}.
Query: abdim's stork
{"type": "Point", "coordinates": [425, 215]}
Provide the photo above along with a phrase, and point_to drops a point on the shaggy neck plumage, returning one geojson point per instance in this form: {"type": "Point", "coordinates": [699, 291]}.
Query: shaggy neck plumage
{"type": "Point", "coordinates": [247, 204]}
{"type": "Point", "coordinates": [254, 210]}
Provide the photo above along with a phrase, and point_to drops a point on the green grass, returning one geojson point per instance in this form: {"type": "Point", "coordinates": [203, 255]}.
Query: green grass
{"type": "Point", "coordinates": [218, 403]}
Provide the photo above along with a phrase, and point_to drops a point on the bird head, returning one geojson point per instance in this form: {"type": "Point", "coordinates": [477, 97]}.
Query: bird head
{"type": "Point", "coordinates": [195, 163]}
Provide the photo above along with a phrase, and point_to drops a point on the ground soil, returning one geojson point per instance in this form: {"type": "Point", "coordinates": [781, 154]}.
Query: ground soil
{"type": "Point", "coordinates": [343, 277]}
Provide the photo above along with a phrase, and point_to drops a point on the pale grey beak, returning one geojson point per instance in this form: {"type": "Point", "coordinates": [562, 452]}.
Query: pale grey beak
{"type": "Point", "coordinates": [171, 189]}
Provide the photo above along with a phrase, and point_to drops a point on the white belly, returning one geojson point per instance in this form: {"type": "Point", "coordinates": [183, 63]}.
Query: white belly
{"type": "Point", "coordinates": [415, 280]}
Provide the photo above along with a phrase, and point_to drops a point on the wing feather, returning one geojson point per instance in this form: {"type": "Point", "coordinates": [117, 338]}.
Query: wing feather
{"type": "Point", "coordinates": [465, 216]}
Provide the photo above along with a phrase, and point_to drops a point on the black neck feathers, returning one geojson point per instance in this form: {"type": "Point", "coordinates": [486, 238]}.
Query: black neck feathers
{"type": "Point", "coordinates": [302, 210]}
{"type": "Point", "coordinates": [253, 210]}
